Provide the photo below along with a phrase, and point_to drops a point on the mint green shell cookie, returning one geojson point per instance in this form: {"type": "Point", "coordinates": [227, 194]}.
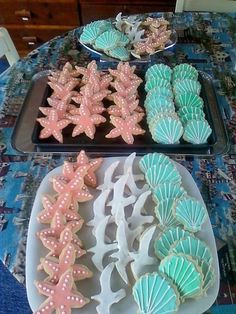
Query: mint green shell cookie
{"type": "Point", "coordinates": [154, 294]}
{"type": "Point", "coordinates": [197, 131]}
{"type": "Point", "coordinates": [167, 130]}
{"type": "Point", "coordinates": [188, 99]}
{"type": "Point", "coordinates": [89, 35]}
{"type": "Point", "coordinates": [152, 159]}
{"type": "Point", "coordinates": [156, 82]}
{"type": "Point", "coordinates": [123, 40]}
{"type": "Point", "coordinates": [168, 190]}
{"type": "Point", "coordinates": [208, 275]}
{"type": "Point", "coordinates": [120, 53]}
{"type": "Point", "coordinates": [159, 91]}
{"type": "Point", "coordinates": [190, 109]}
{"type": "Point", "coordinates": [161, 173]}
{"type": "Point", "coordinates": [191, 213]}
{"type": "Point", "coordinates": [157, 102]}
{"type": "Point", "coordinates": [164, 213]}
{"type": "Point", "coordinates": [194, 247]}
{"type": "Point", "coordinates": [156, 113]}
{"type": "Point", "coordinates": [166, 239]}
{"type": "Point", "coordinates": [187, 85]}
{"type": "Point", "coordinates": [159, 70]}
{"type": "Point", "coordinates": [185, 274]}
{"type": "Point", "coordinates": [101, 25]}
{"type": "Point", "coordinates": [107, 40]}
{"type": "Point", "coordinates": [191, 116]}
{"type": "Point", "coordinates": [182, 75]}
{"type": "Point", "coordinates": [185, 67]}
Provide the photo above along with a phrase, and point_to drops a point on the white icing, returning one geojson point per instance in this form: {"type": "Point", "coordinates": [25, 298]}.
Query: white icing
{"type": "Point", "coordinates": [107, 297]}
{"type": "Point", "coordinates": [107, 183]}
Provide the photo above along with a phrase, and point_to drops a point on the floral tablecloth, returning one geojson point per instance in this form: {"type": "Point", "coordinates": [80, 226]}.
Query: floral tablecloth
{"type": "Point", "coordinates": [207, 41]}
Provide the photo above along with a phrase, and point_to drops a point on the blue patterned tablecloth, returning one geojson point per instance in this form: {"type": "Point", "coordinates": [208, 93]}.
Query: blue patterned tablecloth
{"type": "Point", "coordinates": [206, 40]}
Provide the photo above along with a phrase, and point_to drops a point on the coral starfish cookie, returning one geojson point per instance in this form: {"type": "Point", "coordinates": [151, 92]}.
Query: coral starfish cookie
{"type": "Point", "coordinates": [57, 245]}
{"type": "Point", "coordinates": [60, 90]}
{"type": "Point", "coordinates": [53, 126]}
{"type": "Point", "coordinates": [61, 297]}
{"type": "Point", "coordinates": [94, 164]}
{"type": "Point", "coordinates": [75, 187]}
{"type": "Point", "coordinates": [55, 269]}
{"type": "Point", "coordinates": [88, 71]}
{"type": "Point", "coordinates": [125, 128]}
{"type": "Point", "coordinates": [85, 122]}
{"type": "Point", "coordinates": [58, 224]}
{"type": "Point", "coordinates": [51, 205]}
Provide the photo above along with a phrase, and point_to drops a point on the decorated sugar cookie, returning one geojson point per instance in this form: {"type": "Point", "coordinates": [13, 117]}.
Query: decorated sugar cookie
{"type": "Point", "coordinates": [136, 219]}
{"type": "Point", "coordinates": [51, 205]}
{"type": "Point", "coordinates": [107, 296]}
{"type": "Point", "coordinates": [60, 297]}
{"type": "Point", "coordinates": [55, 269]}
{"type": "Point", "coordinates": [141, 257]}
{"type": "Point", "coordinates": [122, 255]}
{"type": "Point", "coordinates": [56, 246]}
{"type": "Point", "coordinates": [53, 126]}
{"type": "Point", "coordinates": [58, 224]}
{"type": "Point", "coordinates": [94, 164]}
{"type": "Point", "coordinates": [101, 248]}
{"type": "Point", "coordinates": [60, 90]}
{"type": "Point", "coordinates": [107, 181]}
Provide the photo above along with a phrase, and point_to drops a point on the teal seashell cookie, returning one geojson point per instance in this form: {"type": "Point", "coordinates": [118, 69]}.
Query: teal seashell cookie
{"type": "Point", "coordinates": [152, 159]}
{"type": "Point", "coordinates": [107, 40]}
{"type": "Point", "coordinates": [159, 91]}
{"type": "Point", "coordinates": [101, 25]}
{"type": "Point", "coordinates": [191, 116]}
{"type": "Point", "coordinates": [154, 294]}
{"type": "Point", "coordinates": [192, 110]}
{"type": "Point", "coordinates": [197, 131]}
{"type": "Point", "coordinates": [89, 35]}
{"type": "Point", "coordinates": [161, 173]}
{"type": "Point", "coordinates": [168, 190]}
{"type": "Point", "coordinates": [120, 53]}
{"type": "Point", "coordinates": [156, 82]}
{"type": "Point", "coordinates": [166, 239]}
{"type": "Point", "coordinates": [160, 71]}
{"type": "Point", "coordinates": [208, 275]}
{"type": "Point", "coordinates": [164, 213]}
{"type": "Point", "coordinates": [182, 75]}
{"type": "Point", "coordinates": [191, 213]}
{"type": "Point", "coordinates": [185, 274]}
{"type": "Point", "coordinates": [187, 85]}
{"type": "Point", "coordinates": [157, 113]}
{"type": "Point", "coordinates": [188, 99]}
{"type": "Point", "coordinates": [167, 130]}
{"type": "Point", "coordinates": [123, 39]}
{"type": "Point", "coordinates": [185, 67]}
{"type": "Point", "coordinates": [157, 102]}
{"type": "Point", "coordinates": [194, 247]}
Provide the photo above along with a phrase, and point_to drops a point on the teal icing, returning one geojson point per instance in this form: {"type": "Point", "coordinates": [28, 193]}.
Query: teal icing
{"type": "Point", "coordinates": [152, 159]}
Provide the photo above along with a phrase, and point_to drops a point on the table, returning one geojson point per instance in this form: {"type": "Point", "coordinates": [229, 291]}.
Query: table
{"type": "Point", "coordinates": [206, 40]}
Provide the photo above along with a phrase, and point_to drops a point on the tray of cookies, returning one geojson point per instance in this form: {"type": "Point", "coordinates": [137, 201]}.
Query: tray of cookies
{"type": "Point", "coordinates": [121, 110]}
{"type": "Point", "coordinates": [102, 230]}
{"type": "Point", "coordinates": [128, 38]}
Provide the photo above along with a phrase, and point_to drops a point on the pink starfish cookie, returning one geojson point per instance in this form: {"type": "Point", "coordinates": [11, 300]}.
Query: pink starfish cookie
{"type": "Point", "coordinates": [86, 122]}
{"type": "Point", "coordinates": [58, 224]}
{"type": "Point", "coordinates": [55, 269]}
{"type": "Point", "coordinates": [52, 126]}
{"type": "Point", "coordinates": [75, 187]}
{"type": "Point", "coordinates": [56, 245]}
{"type": "Point", "coordinates": [125, 128]}
{"type": "Point", "coordinates": [88, 71]}
{"type": "Point", "coordinates": [94, 164]}
{"type": "Point", "coordinates": [51, 206]}
{"type": "Point", "coordinates": [60, 90]}
{"type": "Point", "coordinates": [61, 297]}
{"type": "Point", "coordinates": [125, 91]}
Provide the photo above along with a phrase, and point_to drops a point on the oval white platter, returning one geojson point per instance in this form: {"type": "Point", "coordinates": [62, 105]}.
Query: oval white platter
{"type": "Point", "coordinates": [90, 287]}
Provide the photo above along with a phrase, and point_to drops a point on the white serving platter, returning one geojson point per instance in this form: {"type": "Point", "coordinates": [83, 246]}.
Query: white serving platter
{"type": "Point", "coordinates": [90, 287]}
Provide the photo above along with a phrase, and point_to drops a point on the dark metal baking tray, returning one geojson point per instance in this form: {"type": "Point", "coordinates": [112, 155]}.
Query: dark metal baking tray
{"type": "Point", "coordinates": [26, 132]}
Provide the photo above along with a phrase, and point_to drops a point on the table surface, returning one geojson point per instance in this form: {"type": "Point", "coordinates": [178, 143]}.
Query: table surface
{"type": "Point", "coordinates": [207, 41]}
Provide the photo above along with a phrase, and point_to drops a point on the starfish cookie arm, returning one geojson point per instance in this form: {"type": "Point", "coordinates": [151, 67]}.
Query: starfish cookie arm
{"type": "Point", "coordinates": [113, 133]}
{"type": "Point", "coordinates": [47, 307]}
{"type": "Point", "coordinates": [67, 256]}
{"type": "Point", "coordinates": [81, 272]}
{"type": "Point", "coordinates": [45, 288]}
{"type": "Point", "coordinates": [90, 131]}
